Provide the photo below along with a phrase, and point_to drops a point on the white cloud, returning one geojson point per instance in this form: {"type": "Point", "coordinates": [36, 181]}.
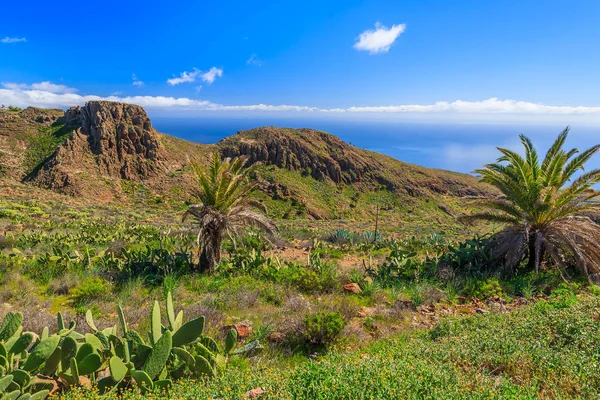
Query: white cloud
{"type": "Point", "coordinates": [42, 86]}
{"type": "Point", "coordinates": [380, 39]}
{"type": "Point", "coordinates": [198, 88]}
{"type": "Point", "coordinates": [47, 94]}
{"type": "Point", "coordinates": [184, 77]}
{"type": "Point", "coordinates": [13, 40]}
{"type": "Point", "coordinates": [136, 81]}
{"type": "Point", "coordinates": [187, 77]}
{"type": "Point", "coordinates": [254, 60]}
{"type": "Point", "coordinates": [212, 74]}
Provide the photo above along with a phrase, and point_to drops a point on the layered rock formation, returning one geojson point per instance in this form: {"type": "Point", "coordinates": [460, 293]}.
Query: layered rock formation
{"type": "Point", "coordinates": [113, 140]}
{"type": "Point", "coordinates": [326, 157]}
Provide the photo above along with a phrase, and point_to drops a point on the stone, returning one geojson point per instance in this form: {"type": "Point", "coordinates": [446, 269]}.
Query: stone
{"type": "Point", "coordinates": [352, 288]}
{"type": "Point", "coordinates": [254, 393]}
{"type": "Point", "coordinates": [243, 329]}
{"type": "Point", "coordinates": [276, 337]}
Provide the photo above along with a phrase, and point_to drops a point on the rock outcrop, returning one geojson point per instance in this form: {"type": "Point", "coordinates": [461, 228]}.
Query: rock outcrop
{"type": "Point", "coordinates": [113, 140]}
{"type": "Point", "coordinates": [326, 157]}
{"type": "Point", "coordinates": [316, 153]}
{"type": "Point", "coordinates": [121, 136]}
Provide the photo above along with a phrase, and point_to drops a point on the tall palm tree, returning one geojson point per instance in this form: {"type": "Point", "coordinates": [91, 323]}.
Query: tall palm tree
{"type": "Point", "coordinates": [224, 207]}
{"type": "Point", "coordinates": [545, 206]}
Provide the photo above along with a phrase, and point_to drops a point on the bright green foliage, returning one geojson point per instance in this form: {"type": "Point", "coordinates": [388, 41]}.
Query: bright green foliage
{"type": "Point", "coordinates": [159, 354]}
{"type": "Point", "coordinates": [142, 379]}
{"type": "Point", "coordinates": [189, 332]}
{"type": "Point", "coordinates": [203, 366]}
{"type": "Point", "coordinates": [230, 340]}
{"type": "Point", "coordinates": [41, 353]}
{"type": "Point", "coordinates": [10, 324]}
{"type": "Point", "coordinates": [122, 320]}
{"type": "Point", "coordinates": [89, 319]}
{"type": "Point", "coordinates": [5, 382]}
{"type": "Point", "coordinates": [543, 203]}
{"type": "Point", "coordinates": [21, 343]}
{"type": "Point", "coordinates": [323, 328]}
{"type": "Point", "coordinates": [91, 363]}
{"type": "Point", "coordinates": [224, 206]}
{"type": "Point", "coordinates": [118, 370]}
{"type": "Point", "coordinates": [71, 355]}
{"type": "Point", "coordinates": [171, 312]}
{"type": "Point", "coordinates": [156, 324]}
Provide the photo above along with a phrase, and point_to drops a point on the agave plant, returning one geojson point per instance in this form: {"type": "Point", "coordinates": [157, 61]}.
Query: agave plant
{"type": "Point", "coordinates": [545, 205]}
{"type": "Point", "coordinates": [224, 207]}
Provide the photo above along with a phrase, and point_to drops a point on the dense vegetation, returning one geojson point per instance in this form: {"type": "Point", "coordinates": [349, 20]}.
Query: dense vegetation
{"type": "Point", "coordinates": [344, 309]}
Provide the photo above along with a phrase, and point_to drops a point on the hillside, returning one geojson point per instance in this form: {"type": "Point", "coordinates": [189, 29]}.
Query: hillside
{"type": "Point", "coordinates": [110, 152]}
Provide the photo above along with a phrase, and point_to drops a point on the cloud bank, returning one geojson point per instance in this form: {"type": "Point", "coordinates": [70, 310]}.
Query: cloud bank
{"type": "Point", "coordinates": [47, 94]}
{"type": "Point", "coordinates": [380, 39]}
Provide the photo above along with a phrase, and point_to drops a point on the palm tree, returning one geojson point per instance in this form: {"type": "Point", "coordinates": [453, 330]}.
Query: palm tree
{"type": "Point", "coordinates": [224, 207]}
{"type": "Point", "coordinates": [543, 213]}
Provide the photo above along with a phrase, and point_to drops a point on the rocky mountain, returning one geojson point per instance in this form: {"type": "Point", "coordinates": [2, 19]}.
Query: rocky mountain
{"type": "Point", "coordinates": [110, 152]}
{"type": "Point", "coordinates": [324, 156]}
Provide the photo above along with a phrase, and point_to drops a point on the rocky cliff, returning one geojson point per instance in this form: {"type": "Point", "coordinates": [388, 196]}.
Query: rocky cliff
{"type": "Point", "coordinates": [326, 157]}
{"type": "Point", "coordinates": [111, 140]}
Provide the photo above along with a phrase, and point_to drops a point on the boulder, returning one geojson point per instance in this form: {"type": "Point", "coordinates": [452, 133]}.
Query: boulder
{"type": "Point", "coordinates": [243, 328]}
{"type": "Point", "coordinates": [352, 288]}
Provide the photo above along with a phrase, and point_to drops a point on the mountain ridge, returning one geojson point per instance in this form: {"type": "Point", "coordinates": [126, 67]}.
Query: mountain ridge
{"type": "Point", "coordinates": [106, 150]}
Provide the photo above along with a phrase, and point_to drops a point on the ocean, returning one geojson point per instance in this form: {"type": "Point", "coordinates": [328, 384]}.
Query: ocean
{"type": "Point", "coordinates": [453, 146]}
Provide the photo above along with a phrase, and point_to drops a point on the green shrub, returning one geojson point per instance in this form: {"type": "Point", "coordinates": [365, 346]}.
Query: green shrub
{"type": "Point", "coordinates": [90, 289]}
{"type": "Point", "coordinates": [562, 297]}
{"type": "Point", "coordinates": [399, 265]}
{"type": "Point", "coordinates": [483, 289]}
{"type": "Point", "coordinates": [323, 328]}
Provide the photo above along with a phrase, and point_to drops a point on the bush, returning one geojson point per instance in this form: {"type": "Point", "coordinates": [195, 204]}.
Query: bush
{"type": "Point", "coordinates": [90, 289]}
{"type": "Point", "coordinates": [483, 289]}
{"type": "Point", "coordinates": [471, 258]}
{"type": "Point", "coordinates": [323, 328]}
{"type": "Point", "coordinates": [400, 264]}
{"type": "Point", "coordinates": [562, 297]}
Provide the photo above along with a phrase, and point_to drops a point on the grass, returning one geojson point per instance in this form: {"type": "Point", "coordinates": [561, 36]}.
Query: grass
{"type": "Point", "coordinates": [70, 255]}
{"type": "Point", "coordinates": [541, 351]}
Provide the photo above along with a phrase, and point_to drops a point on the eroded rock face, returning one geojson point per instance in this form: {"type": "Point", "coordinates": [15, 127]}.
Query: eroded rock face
{"type": "Point", "coordinates": [294, 151]}
{"type": "Point", "coordinates": [121, 136]}
{"type": "Point", "coordinates": [113, 140]}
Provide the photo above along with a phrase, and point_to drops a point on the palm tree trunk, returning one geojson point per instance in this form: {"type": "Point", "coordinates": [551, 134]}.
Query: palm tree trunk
{"type": "Point", "coordinates": [536, 252]}
{"type": "Point", "coordinates": [211, 254]}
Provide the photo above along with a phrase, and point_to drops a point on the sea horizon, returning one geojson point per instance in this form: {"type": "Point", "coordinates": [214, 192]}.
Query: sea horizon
{"type": "Point", "coordinates": [455, 146]}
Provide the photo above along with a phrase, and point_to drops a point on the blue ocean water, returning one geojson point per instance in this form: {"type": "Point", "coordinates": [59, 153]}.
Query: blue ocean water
{"type": "Point", "coordinates": [459, 147]}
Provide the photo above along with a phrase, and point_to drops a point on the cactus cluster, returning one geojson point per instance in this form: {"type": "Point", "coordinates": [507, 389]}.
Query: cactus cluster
{"type": "Point", "coordinates": [112, 359]}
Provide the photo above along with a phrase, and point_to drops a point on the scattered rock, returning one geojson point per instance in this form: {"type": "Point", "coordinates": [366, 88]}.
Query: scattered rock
{"type": "Point", "coordinates": [404, 304]}
{"type": "Point", "coordinates": [254, 393]}
{"type": "Point", "coordinates": [276, 337]}
{"type": "Point", "coordinates": [243, 329]}
{"type": "Point", "coordinates": [352, 288]}
{"type": "Point", "coordinates": [47, 380]}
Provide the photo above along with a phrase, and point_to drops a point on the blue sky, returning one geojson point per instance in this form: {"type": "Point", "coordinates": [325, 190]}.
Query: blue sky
{"type": "Point", "coordinates": [468, 60]}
